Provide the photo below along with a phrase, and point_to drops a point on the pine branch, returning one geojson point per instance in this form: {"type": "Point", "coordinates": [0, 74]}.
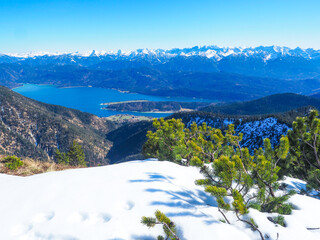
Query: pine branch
{"type": "Point", "coordinates": [251, 224]}
{"type": "Point", "coordinates": [224, 216]}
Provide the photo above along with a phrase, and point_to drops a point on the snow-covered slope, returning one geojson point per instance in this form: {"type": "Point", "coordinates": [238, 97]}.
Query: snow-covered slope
{"type": "Point", "coordinates": [108, 202]}
{"type": "Point", "coordinates": [253, 131]}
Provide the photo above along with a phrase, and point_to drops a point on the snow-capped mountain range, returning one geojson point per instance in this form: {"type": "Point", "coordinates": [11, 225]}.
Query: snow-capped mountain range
{"type": "Point", "coordinates": [212, 52]}
{"type": "Point", "coordinates": [190, 72]}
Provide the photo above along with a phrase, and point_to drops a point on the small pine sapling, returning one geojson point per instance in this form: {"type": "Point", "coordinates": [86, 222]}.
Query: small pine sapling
{"type": "Point", "coordinates": [280, 220]}
{"type": "Point", "coordinates": [168, 226]}
{"type": "Point", "coordinates": [230, 177]}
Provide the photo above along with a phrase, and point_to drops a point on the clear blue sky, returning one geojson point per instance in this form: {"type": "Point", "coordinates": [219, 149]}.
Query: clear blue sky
{"type": "Point", "coordinates": [82, 25]}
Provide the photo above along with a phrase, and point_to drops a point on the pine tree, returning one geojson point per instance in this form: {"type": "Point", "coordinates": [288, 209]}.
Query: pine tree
{"type": "Point", "coordinates": [173, 142]}
{"type": "Point", "coordinates": [234, 171]}
{"type": "Point", "coordinates": [305, 147]}
{"type": "Point", "coordinates": [76, 155]}
{"type": "Point", "coordinates": [265, 173]}
{"type": "Point", "coordinates": [167, 142]}
{"type": "Point", "coordinates": [61, 158]}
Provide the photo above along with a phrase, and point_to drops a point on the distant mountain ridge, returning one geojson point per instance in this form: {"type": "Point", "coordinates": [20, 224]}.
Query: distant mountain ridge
{"type": "Point", "coordinates": [213, 52]}
{"type": "Point", "coordinates": [219, 86]}
{"type": "Point", "coordinates": [223, 74]}
{"type": "Point", "coordinates": [267, 62]}
{"type": "Point", "coordinates": [267, 105]}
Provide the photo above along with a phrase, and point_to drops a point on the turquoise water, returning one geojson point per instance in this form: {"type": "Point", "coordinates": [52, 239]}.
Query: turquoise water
{"type": "Point", "coordinates": [88, 99]}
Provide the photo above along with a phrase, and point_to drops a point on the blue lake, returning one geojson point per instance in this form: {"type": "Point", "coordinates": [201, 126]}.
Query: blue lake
{"type": "Point", "coordinates": [88, 99]}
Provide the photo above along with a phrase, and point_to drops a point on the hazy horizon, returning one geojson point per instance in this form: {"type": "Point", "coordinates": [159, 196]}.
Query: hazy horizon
{"type": "Point", "coordinates": [103, 51]}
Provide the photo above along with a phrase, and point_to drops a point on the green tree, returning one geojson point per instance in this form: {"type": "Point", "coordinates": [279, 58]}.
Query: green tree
{"type": "Point", "coordinates": [76, 155]}
{"type": "Point", "coordinates": [265, 173]}
{"type": "Point", "coordinates": [249, 181]}
{"type": "Point", "coordinates": [12, 162]}
{"type": "Point", "coordinates": [304, 141]}
{"type": "Point", "coordinates": [168, 226]}
{"type": "Point", "coordinates": [167, 142]}
{"type": "Point", "coordinates": [61, 158]}
{"type": "Point", "coordinates": [172, 141]}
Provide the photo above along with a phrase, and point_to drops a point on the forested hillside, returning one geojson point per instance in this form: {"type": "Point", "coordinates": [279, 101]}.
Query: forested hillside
{"type": "Point", "coordinates": [267, 105]}
{"type": "Point", "coordinates": [255, 128]}
{"type": "Point", "coordinates": [33, 129]}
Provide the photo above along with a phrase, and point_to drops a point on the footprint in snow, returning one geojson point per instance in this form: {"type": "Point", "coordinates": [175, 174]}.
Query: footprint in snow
{"type": "Point", "coordinates": [20, 229]}
{"type": "Point", "coordinates": [90, 218]}
{"type": "Point", "coordinates": [43, 217]}
{"type": "Point", "coordinates": [129, 205]}
{"type": "Point", "coordinates": [125, 205]}
{"type": "Point", "coordinates": [79, 217]}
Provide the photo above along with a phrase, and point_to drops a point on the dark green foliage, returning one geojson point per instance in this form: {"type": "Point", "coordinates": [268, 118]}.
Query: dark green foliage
{"type": "Point", "coordinates": [12, 162]}
{"type": "Point", "coordinates": [168, 226]}
{"type": "Point", "coordinates": [254, 225]}
{"type": "Point", "coordinates": [62, 158]}
{"type": "Point", "coordinates": [149, 221]}
{"type": "Point", "coordinates": [74, 157]}
{"type": "Point", "coordinates": [254, 205]}
{"type": "Point", "coordinates": [279, 220]}
{"type": "Point", "coordinates": [172, 141]}
{"type": "Point", "coordinates": [265, 174]}
{"type": "Point", "coordinates": [277, 204]}
{"type": "Point", "coordinates": [305, 148]}
{"type": "Point", "coordinates": [167, 143]}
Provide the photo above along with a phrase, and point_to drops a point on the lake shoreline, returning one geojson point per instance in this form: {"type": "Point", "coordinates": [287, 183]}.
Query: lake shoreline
{"type": "Point", "coordinates": [89, 99]}
{"type": "Point", "coordinates": [168, 98]}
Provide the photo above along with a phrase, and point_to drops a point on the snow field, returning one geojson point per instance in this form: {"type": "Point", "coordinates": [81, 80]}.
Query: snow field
{"type": "Point", "coordinates": [108, 203]}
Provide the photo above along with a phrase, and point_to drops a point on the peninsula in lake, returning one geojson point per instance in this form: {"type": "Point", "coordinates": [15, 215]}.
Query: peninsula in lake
{"type": "Point", "coordinates": [154, 106]}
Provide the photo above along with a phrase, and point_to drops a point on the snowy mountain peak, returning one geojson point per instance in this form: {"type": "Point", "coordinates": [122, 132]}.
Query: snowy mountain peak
{"type": "Point", "coordinates": [213, 52]}
{"type": "Point", "coordinates": [93, 53]}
